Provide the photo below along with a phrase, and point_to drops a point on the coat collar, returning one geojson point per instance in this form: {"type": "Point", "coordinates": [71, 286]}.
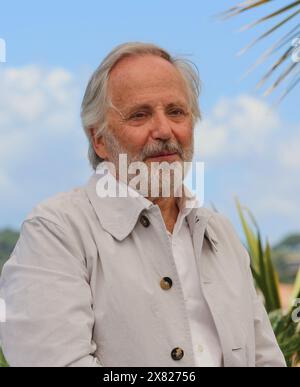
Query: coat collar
{"type": "Point", "coordinates": [119, 215]}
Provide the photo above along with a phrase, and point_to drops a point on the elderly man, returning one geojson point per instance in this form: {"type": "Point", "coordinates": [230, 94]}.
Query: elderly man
{"type": "Point", "coordinates": [134, 280]}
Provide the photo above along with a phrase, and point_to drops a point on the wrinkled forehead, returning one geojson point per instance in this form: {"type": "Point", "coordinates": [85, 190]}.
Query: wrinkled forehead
{"type": "Point", "coordinates": [137, 77]}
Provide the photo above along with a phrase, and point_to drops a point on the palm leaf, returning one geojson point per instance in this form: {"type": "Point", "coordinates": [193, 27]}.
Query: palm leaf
{"type": "Point", "coordinates": [281, 78]}
{"type": "Point", "coordinates": [275, 66]}
{"type": "Point", "coordinates": [249, 5]}
{"type": "Point", "coordinates": [267, 33]}
{"type": "Point", "coordinates": [250, 237]}
{"type": "Point", "coordinates": [266, 277]}
{"type": "Point", "coordinates": [290, 12]}
{"type": "Point", "coordinates": [243, 7]}
{"type": "Point", "coordinates": [263, 275]}
{"type": "Point", "coordinates": [3, 363]}
{"type": "Point", "coordinates": [282, 42]}
{"type": "Point", "coordinates": [272, 280]}
{"type": "Point", "coordinates": [296, 291]}
{"type": "Point", "coordinates": [288, 90]}
{"type": "Point", "coordinates": [262, 266]}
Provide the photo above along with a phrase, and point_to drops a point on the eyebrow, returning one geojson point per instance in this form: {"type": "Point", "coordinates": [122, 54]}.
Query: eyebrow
{"type": "Point", "coordinates": [146, 106]}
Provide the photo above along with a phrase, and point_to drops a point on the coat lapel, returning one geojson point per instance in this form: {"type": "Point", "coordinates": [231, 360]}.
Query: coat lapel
{"type": "Point", "coordinates": [199, 222]}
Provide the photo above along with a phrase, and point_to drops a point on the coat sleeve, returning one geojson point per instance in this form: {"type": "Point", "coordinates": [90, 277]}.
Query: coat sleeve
{"type": "Point", "coordinates": [49, 309]}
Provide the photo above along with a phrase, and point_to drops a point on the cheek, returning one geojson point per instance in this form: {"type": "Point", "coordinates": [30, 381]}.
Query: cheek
{"type": "Point", "coordinates": [184, 135]}
{"type": "Point", "coordinates": [134, 139]}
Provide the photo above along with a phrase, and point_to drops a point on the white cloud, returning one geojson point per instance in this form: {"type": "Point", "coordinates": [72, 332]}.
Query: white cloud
{"type": "Point", "coordinates": [35, 102]}
{"type": "Point", "coordinates": [290, 153]}
{"type": "Point", "coordinates": [235, 127]}
{"type": "Point", "coordinates": [41, 140]}
{"type": "Point", "coordinates": [31, 93]}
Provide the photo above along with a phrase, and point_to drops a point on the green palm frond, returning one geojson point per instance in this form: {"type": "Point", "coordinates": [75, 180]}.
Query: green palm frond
{"type": "Point", "coordinates": [3, 363]}
{"type": "Point", "coordinates": [287, 68]}
{"type": "Point", "coordinates": [286, 329]}
{"type": "Point", "coordinates": [296, 291]}
{"type": "Point", "coordinates": [287, 335]}
{"type": "Point", "coordinates": [263, 269]}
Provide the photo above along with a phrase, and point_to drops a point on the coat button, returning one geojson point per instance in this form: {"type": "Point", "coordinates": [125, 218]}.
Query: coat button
{"type": "Point", "coordinates": [177, 354]}
{"type": "Point", "coordinates": [166, 283]}
{"type": "Point", "coordinates": [145, 221]}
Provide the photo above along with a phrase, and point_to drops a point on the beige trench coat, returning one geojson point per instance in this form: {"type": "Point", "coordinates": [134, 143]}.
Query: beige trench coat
{"type": "Point", "coordinates": [82, 288]}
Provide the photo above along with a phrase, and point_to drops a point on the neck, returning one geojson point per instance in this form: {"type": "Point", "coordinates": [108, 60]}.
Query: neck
{"type": "Point", "coordinates": [168, 207]}
{"type": "Point", "coordinates": [169, 210]}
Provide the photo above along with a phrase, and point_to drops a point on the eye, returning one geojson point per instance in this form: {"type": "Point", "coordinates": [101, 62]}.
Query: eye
{"type": "Point", "coordinates": [137, 116]}
{"type": "Point", "coordinates": [177, 112]}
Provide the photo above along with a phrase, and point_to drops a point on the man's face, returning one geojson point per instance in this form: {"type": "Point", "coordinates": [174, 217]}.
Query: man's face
{"type": "Point", "coordinates": [151, 113]}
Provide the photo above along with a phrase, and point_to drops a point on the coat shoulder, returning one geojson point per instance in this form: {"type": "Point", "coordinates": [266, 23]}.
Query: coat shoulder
{"type": "Point", "coordinates": [222, 226]}
{"type": "Point", "coordinates": [63, 208]}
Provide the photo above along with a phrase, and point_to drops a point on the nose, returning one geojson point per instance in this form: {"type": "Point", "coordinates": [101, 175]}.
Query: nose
{"type": "Point", "coordinates": [161, 126]}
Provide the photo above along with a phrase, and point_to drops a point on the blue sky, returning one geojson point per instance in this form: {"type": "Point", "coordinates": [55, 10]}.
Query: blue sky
{"type": "Point", "coordinates": [52, 48]}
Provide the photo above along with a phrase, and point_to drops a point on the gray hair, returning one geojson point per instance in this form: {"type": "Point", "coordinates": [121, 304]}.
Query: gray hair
{"type": "Point", "coordinates": [96, 99]}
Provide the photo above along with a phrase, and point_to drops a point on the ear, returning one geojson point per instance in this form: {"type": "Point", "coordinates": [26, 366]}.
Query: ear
{"type": "Point", "coordinates": [99, 145]}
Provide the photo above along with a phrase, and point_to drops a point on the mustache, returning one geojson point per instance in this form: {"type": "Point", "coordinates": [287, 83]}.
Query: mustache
{"type": "Point", "coordinates": [152, 150]}
{"type": "Point", "coordinates": [149, 150]}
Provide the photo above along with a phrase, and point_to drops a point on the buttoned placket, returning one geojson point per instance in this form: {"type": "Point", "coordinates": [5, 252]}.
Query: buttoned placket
{"type": "Point", "coordinates": [197, 348]}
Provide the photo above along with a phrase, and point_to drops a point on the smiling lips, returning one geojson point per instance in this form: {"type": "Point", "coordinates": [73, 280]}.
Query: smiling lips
{"type": "Point", "coordinates": [164, 156]}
